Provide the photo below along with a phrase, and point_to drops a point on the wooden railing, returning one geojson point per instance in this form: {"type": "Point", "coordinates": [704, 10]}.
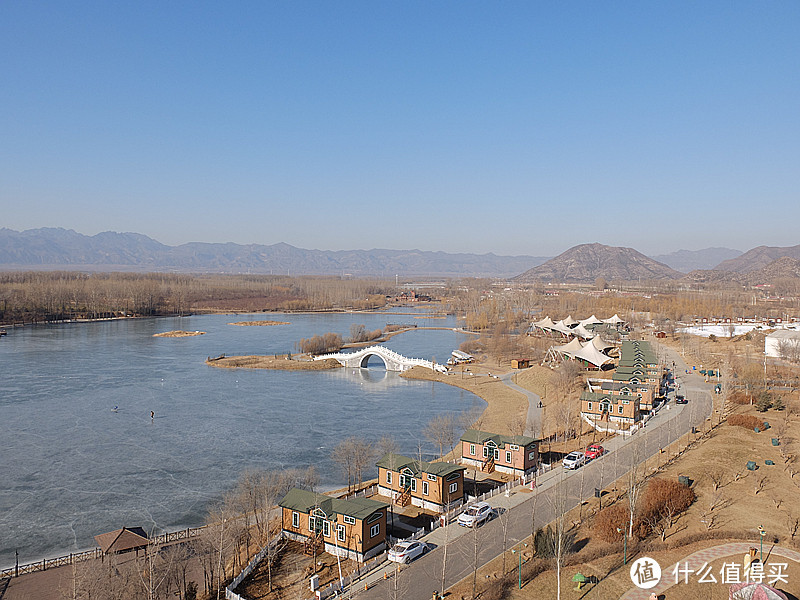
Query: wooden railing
{"type": "Point", "coordinates": [77, 557]}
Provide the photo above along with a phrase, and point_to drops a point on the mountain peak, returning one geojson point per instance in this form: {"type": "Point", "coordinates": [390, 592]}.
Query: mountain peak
{"type": "Point", "coordinates": [586, 262]}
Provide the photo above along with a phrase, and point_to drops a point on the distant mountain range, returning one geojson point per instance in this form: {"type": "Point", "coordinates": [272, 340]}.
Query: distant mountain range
{"type": "Point", "coordinates": [686, 261]}
{"type": "Point", "coordinates": [54, 248]}
{"type": "Point", "coordinates": [758, 258]}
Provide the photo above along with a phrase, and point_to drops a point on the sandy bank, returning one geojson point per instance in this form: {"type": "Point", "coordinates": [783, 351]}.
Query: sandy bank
{"type": "Point", "coordinates": [505, 406]}
{"type": "Point", "coordinates": [270, 362]}
{"type": "Point", "coordinates": [177, 334]}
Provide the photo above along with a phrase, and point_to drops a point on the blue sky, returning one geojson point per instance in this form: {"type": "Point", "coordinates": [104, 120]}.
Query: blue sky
{"type": "Point", "coordinates": [505, 127]}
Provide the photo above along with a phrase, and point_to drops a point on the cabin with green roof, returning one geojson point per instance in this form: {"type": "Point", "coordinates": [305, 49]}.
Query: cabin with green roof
{"type": "Point", "coordinates": [621, 408]}
{"type": "Point", "coordinates": [514, 454]}
{"type": "Point", "coordinates": [352, 528]}
{"type": "Point", "coordinates": [433, 486]}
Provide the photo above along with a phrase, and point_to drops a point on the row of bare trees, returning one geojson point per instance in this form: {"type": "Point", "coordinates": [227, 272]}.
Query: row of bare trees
{"type": "Point", "coordinates": [243, 522]}
{"type": "Point", "coordinates": [58, 295]}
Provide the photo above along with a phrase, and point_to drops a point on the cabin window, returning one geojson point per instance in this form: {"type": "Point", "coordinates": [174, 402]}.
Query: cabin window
{"type": "Point", "coordinates": [295, 520]}
{"type": "Point", "coordinates": [508, 457]}
{"type": "Point", "coordinates": [472, 449]}
{"type": "Point", "coordinates": [532, 455]}
{"type": "Point", "coordinates": [413, 485]}
{"type": "Point", "coordinates": [374, 530]}
{"type": "Point", "coordinates": [389, 477]}
{"type": "Point", "coordinates": [374, 517]}
{"type": "Point", "coordinates": [454, 476]}
{"type": "Point", "coordinates": [589, 406]}
{"type": "Point", "coordinates": [485, 452]}
{"type": "Point", "coordinates": [326, 528]}
{"type": "Point", "coordinates": [349, 520]}
{"type": "Point", "coordinates": [496, 454]}
{"type": "Point", "coordinates": [514, 447]}
{"type": "Point", "coordinates": [340, 529]}
{"type": "Point", "coordinates": [424, 488]}
{"type": "Point", "coordinates": [454, 487]}
{"type": "Point", "coordinates": [620, 410]}
{"type": "Point", "coordinates": [431, 477]}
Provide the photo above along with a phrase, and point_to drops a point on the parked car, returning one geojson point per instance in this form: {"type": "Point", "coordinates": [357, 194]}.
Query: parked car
{"type": "Point", "coordinates": [573, 460]}
{"type": "Point", "coordinates": [476, 514]}
{"type": "Point", "coordinates": [407, 550]}
{"type": "Point", "coordinates": [594, 451]}
{"type": "Point", "coordinates": [681, 399]}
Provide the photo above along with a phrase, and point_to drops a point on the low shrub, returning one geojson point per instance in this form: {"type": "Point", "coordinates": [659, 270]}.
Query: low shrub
{"type": "Point", "coordinates": [609, 520]}
{"type": "Point", "coordinates": [739, 398]}
{"type": "Point", "coordinates": [746, 421]}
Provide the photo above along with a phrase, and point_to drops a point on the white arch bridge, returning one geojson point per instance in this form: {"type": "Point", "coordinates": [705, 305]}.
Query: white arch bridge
{"type": "Point", "coordinates": [392, 360]}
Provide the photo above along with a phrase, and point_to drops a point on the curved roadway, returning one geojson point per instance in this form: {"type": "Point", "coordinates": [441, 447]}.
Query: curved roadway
{"type": "Point", "coordinates": [421, 578]}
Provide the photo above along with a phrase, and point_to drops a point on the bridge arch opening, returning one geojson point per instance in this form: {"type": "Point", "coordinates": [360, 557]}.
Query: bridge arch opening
{"type": "Point", "coordinates": [365, 360]}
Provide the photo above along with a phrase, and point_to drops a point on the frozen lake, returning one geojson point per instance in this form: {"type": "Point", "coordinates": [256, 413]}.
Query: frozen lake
{"type": "Point", "coordinates": [73, 468]}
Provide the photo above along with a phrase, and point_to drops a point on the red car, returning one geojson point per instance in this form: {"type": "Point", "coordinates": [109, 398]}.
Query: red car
{"type": "Point", "coordinates": [594, 451]}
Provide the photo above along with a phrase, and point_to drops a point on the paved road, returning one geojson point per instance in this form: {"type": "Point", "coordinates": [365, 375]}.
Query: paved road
{"type": "Point", "coordinates": [554, 490]}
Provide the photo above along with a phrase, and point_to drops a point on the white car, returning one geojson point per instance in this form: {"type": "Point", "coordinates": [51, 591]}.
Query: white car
{"type": "Point", "coordinates": [407, 550]}
{"type": "Point", "coordinates": [476, 514]}
{"type": "Point", "coordinates": [573, 460]}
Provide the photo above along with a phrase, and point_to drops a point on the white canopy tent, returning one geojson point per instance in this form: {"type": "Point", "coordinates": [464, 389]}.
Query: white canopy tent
{"type": "Point", "coordinates": [601, 344]}
{"type": "Point", "coordinates": [582, 332]}
{"type": "Point", "coordinates": [592, 355]}
{"type": "Point", "coordinates": [615, 320]}
{"type": "Point", "coordinates": [591, 321]}
{"type": "Point", "coordinates": [561, 328]}
{"type": "Point", "coordinates": [570, 322]}
{"type": "Point", "coordinates": [570, 348]}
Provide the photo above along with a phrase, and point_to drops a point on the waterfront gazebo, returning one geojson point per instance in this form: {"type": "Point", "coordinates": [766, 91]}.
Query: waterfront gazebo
{"type": "Point", "coordinates": [122, 540]}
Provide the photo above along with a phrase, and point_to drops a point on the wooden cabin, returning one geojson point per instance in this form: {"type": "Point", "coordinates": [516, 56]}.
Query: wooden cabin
{"type": "Point", "coordinates": [433, 486]}
{"type": "Point", "coordinates": [354, 528]}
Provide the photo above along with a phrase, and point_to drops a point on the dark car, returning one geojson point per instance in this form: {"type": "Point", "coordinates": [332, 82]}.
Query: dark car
{"type": "Point", "coordinates": [680, 399]}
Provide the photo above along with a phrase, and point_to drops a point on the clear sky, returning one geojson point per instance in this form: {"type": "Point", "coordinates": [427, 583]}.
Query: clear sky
{"type": "Point", "coordinates": [505, 127]}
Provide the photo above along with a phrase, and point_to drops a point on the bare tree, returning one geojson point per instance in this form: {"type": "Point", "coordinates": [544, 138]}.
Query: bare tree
{"type": "Point", "coordinates": [353, 454]}
{"type": "Point", "coordinates": [441, 430]}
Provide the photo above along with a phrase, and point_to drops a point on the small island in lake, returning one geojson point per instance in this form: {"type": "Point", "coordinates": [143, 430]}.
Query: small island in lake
{"type": "Point", "coordinates": [273, 362]}
{"type": "Point", "coordinates": [177, 334]}
{"type": "Point", "coordinates": [259, 323]}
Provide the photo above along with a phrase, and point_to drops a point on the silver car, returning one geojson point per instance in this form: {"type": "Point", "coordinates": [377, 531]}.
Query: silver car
{"type": "Point", "coordinates": [573, 460]}
{"type": "Point", "coordinates": [476, 514]}
{"type": "Point", "coordinates": [406, 551]}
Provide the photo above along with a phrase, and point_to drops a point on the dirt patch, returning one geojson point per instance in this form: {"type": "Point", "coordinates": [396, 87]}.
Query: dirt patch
{"type": "Point", "coordinates": [259, 323]}
{"type": "Point", "coordinates": [179, 334]}
{"type": "Point", "coordinates": [291, 573]}
{"type": "Point", "coordinates": [270, 362]}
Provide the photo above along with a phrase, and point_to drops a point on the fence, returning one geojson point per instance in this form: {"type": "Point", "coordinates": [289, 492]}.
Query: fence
{"type": "Point", "coordinates": [229, 593]}
{"type": "Point", "coordinates": [367, 492]}
{"type": "Point", "coordinates": [77, 557]}
{"type": "Point", "coordinates": [346, 582]}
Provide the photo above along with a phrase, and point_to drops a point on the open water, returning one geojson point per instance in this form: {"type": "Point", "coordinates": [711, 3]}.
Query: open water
{"type": "Point", "coordinates": [71, 467]}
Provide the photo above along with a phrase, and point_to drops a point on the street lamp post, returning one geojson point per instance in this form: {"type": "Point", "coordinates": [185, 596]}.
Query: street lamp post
{"type": "Point", "coordinates": [518, 552]}
{"type": "Point", "coordinates": [624, 533]}
{"type": "Point", "coordinates": [761, 534]}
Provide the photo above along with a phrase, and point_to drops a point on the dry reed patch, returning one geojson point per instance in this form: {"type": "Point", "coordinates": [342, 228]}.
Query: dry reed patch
{"type": "Point", "coordinates": [178, 334]}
